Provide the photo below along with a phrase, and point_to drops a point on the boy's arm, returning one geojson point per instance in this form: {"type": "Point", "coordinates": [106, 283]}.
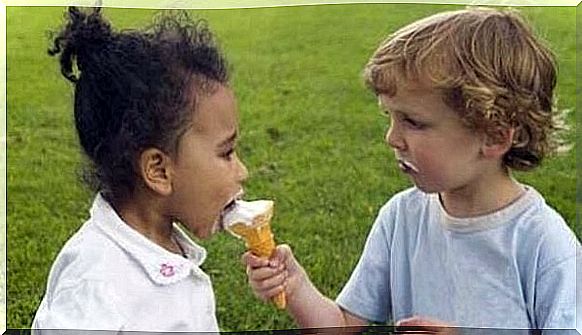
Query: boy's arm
{"type": "Point", "coordinates": [557, 296]}
{"type": "Point", "coordinates": [305, 303]}
{"type": "Point", "coordinates": [311, 309]}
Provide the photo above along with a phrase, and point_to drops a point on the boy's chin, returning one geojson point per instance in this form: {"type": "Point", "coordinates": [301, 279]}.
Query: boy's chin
{"type": "Point", "coordinates": [426, 188]}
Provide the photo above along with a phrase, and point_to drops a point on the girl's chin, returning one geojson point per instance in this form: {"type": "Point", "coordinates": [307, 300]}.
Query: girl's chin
{"type": "Point", "coordinates": [204, 232]}
{"type": "Point", "coordinates": [215, 227]}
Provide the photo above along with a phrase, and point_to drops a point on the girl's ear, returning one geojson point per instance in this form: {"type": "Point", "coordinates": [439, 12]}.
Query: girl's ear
{"type": "Point", "coordinates": [155, 168]}
{"type": "Point", "coordinates": [496, 144]}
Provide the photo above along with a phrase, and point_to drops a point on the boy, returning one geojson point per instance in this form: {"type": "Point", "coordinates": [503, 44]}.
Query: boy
{"type": "Point", "coordinates": [470, 97]}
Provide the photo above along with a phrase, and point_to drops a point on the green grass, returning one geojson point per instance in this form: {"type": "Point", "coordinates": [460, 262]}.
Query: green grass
{"type": "Point", "coordinates": [312, 139]}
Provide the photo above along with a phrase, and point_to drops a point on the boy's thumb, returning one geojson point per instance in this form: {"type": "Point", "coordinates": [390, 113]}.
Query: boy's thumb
{"type": "Point", "coordinates": [283, 250]}
{"type": "Point", "coordinates": [281, 254]}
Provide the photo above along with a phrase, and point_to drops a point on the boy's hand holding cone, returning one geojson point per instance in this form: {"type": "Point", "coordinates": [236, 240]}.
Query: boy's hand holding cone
{"type": "Point", "coordinates": [251, 221]}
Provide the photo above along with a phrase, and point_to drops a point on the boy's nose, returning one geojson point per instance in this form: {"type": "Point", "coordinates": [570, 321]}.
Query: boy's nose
{"type": "Point", "coordinates": [394, 139]}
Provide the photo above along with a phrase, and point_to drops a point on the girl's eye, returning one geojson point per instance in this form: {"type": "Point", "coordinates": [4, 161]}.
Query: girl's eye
{"type": "Point", "coordinates": [228, 155]}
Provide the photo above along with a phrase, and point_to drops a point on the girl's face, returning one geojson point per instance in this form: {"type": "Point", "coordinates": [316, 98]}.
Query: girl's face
{"type": "Point", "coordinates": [429, 140]}
{"type": "Point", "coordinates": [208, 175]}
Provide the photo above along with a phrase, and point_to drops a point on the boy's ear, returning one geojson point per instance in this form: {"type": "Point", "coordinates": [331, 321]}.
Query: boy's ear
{"type": "Point", "coordinates": [155, 168]}
{"type": "Point", "coordinates": [496, 144]}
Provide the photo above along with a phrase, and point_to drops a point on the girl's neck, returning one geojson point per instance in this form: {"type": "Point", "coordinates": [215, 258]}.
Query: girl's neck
{"type": "Point", "coordinates": [145, 217]}
{"type": "Point", "coordinates": [485, 196]}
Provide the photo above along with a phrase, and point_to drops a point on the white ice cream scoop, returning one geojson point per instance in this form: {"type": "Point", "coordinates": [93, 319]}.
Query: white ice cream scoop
{"type": "Point", "coordinates": [247, 214]}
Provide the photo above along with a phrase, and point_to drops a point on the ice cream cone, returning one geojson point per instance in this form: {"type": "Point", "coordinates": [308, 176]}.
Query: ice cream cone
{"type": "Point", "coordinates": [260, 241]}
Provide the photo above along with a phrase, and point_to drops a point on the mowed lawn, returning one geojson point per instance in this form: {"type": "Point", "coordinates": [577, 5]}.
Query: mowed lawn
{"type": "Point", "coordinates": [311, 137]}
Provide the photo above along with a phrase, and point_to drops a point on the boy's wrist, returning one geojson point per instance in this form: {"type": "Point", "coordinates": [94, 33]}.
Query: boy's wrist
{"type": "Point", "coordinates": [300, 291]}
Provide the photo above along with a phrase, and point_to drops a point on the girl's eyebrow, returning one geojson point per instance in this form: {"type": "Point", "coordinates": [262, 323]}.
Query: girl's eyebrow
{"type": "Point", "coordinates": [229, 140]}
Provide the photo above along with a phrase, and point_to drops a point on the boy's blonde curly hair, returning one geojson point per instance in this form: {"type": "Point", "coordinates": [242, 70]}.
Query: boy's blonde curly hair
{"type": "Point", "coordinates": [490, 68]}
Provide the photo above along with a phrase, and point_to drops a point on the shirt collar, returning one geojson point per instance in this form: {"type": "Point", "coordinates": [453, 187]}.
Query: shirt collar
{"type": "Point", "coordinates": [527, 200]}
{"type": "Point", "coordinates": [161, 265]}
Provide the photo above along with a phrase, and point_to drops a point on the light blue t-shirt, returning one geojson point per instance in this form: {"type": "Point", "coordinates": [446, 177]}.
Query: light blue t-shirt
{"type": "Point", "coordinates": [515, 268]}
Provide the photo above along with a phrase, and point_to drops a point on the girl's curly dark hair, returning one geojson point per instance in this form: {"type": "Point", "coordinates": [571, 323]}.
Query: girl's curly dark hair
{"type": "Point", "coordinates": [134, 89]}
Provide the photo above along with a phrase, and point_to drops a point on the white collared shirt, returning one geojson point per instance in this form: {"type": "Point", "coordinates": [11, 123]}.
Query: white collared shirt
{"type": "Point", "coordinates": [110, 277]}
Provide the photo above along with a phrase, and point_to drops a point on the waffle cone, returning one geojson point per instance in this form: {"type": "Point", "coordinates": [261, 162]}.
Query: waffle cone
{"type": "Point", "coordinates": [260, 241]}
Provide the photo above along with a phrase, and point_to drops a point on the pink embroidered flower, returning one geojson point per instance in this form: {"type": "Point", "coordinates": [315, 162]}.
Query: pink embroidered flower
{"type": "Point", "coordinates": [167, 270]}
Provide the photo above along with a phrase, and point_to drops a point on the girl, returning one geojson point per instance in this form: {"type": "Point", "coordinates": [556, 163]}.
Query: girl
{"type": "Point", "coordinates": [157, 121]}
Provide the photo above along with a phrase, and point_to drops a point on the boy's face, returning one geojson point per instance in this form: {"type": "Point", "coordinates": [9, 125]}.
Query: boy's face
{"type": "Point", "coordinates": [429, 140]}
{"type": "Point", "coordinates": [208, 174]}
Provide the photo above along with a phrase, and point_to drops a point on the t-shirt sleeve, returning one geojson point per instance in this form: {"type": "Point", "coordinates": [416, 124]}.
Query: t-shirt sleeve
{"type": "Point", "coordinates": [558, 286]}
{"type": "Point", "coordinates": [88, 305]}
{"type": "Point", "coordinates": [367, 292]}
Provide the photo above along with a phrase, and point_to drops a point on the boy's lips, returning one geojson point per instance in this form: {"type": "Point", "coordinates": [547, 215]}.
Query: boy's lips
{"type": "Point", "coordinates": [407, 166]}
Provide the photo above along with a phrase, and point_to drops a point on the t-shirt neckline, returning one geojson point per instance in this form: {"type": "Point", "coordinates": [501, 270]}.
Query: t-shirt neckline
{"type": "Point", "coordinates": [489, 220]}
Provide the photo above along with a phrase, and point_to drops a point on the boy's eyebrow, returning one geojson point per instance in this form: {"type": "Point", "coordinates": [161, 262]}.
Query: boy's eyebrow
{"type": "Point", "coordinates": [405, 113]}
{"type": "Point", "coordinates": [229, 140]}
{"type": "Point", "coordinates": [387, 110]}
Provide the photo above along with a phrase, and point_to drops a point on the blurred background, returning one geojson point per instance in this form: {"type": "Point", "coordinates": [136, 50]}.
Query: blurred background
{"type": "Point", "coordinates": [311, 137]}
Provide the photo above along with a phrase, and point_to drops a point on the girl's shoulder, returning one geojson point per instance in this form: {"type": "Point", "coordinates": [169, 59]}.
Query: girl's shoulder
{"type": "Point", "coordinates": [86, 256]}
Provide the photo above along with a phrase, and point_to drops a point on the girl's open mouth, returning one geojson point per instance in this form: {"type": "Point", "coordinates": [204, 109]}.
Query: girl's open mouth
{"type": "Point", "coordinates": [228, 207]}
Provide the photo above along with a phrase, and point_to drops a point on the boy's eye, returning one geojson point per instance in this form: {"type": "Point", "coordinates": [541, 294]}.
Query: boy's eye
{"type": "Point", "coordinates": [399, 117]}
{"type": "Point", "coordinates": [414, 124]}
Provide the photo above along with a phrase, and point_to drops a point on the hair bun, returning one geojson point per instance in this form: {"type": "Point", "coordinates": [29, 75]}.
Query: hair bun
{"type": "Point", "coordinates": [85, 35]}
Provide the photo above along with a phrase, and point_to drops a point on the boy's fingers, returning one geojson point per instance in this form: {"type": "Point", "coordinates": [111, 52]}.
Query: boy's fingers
{"type": "Point", "coordinates": [279, 257]}
{"type": "Point", "coordinates": [412, 321]}
{"type": "Point", "coordinates": [273, 292]}
{"type": "Point", "coordinates": [421, 321]}
{"type": "Point", "coordinates": [267, 294]}
{"type": "Point", "coordinates": [272, 281]}
{"type": "Point", "coordinates": [260, 274]}
{"type": "Point", "coordinates": [250, 260]}
{"type": "Point", "coordinates": [426, 325]}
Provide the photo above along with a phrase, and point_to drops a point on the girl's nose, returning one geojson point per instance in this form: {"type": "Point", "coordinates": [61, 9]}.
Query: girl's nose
{"type": "Point", "coordinates": [243, 173]}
